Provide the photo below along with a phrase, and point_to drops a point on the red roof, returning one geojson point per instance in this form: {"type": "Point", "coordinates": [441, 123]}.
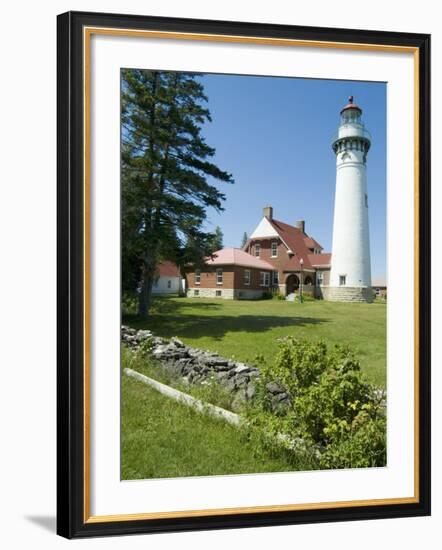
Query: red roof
{"type": "Point", "coordinates": [320, 260]}
{"type": "Point", "coordinates": [311, 243]}
{"type": "Point", "coordinates": [236, 256]}
{"type": "Point", "coordinates": [168, 269]}
{"type": "Point", "coordinates": [298, 243]}
{"type": "Point", "coordinates": [351, 105]}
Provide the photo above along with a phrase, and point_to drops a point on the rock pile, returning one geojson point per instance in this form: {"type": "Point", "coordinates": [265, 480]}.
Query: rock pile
{"type": "Point", "coordinates": [198, 366]}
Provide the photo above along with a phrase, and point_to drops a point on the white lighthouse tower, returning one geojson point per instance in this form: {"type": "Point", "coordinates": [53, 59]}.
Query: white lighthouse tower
{"type": "Point", "coordinates": [350, 276]}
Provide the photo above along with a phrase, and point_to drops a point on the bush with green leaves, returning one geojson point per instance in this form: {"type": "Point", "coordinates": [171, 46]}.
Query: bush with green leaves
{"type": "Point", "coordinates": [333, 414]}
{"type": "Point", "coordinates": [306, 297]}
{"type": "Point", "coordinates": [129, 303]}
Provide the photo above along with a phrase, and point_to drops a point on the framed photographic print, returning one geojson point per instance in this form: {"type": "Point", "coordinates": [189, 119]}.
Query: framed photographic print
{"type": "Point", "coordinates": [243, 274]}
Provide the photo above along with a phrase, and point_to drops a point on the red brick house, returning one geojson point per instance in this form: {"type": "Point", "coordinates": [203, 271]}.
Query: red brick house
{"type": "Point", "coordinates": [296, 257]}
{"type": "Point", "coordinates": [230, 273]}
{"type": "Point", "coordinates": [276, 257]}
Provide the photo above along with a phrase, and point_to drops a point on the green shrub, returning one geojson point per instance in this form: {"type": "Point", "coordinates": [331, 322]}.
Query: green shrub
{"type": "Point", "coordinates": [305, 298]}
{"type": "Point", "coordinates": [129, 303]}
{"type": "Point", "coordinates": [333, 415]}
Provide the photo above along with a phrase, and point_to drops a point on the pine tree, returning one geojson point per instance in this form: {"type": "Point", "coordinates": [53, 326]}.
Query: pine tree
{"type": "Point", "coordinates": [165, 171]}
{"type": "Point", "coordinates": [216, 239]}
{"type": "Point", "coordinates": [245, 238]}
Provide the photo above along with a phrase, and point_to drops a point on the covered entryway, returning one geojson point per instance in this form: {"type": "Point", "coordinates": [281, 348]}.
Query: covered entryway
{"type": "Point", "coordinates": [291, 284]}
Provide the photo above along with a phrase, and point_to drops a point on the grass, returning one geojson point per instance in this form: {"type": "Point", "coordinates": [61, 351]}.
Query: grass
{"type": "Point", "coordinates": [244, 329]}
{"type": "Point", "coordinates": [162, 438]}
{"type": "Point", "coordinates": [209, 392]}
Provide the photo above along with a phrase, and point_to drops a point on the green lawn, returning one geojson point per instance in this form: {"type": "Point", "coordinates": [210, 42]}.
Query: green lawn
{"type": "Point", "coordinates": [162, 438]}
{"type": "Point", "coordinates": [243, 329]}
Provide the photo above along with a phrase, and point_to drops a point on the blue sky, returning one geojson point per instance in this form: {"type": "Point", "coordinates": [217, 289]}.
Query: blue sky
{"type": "Point", "coordinates": [274, 135]}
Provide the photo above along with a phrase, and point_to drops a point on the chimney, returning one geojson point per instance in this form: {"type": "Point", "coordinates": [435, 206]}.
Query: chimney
{"type": "Point", "coordinates": [268, 212]}
{"type": "Point", "coordinates": [300, 224]}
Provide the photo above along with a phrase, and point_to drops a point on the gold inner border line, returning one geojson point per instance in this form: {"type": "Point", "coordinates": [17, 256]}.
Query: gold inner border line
{"type": "Point", "coordinates": [87, 33]}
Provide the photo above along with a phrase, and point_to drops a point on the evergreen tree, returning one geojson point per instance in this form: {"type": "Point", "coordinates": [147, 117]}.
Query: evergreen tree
{"type": "Point", "coordinates": [165, 171]}
{"type": "Point", "coordinates": [216, 239]}
{"type": "Point", "coordinates": [245, 238]}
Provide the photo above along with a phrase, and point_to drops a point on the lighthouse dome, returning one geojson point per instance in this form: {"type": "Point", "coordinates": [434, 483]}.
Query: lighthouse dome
{"type": "Point", "coordinates": [351, 107]}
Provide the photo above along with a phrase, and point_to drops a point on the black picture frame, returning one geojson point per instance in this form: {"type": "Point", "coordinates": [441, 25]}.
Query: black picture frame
{"type": "Point", "coordinates": [71, 521]}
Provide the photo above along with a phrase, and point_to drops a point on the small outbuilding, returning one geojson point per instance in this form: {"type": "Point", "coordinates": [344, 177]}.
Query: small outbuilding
{"type": "Point", "coordinates": [231, 273]}
{"type": "Point", "coordinates": [379, 286]}
{"type": "Point", "coordinates": [168, 279]}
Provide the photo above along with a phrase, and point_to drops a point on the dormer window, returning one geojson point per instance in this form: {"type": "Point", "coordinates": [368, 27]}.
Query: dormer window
{"type": "Point", "coordinates": [274, 249]}
{"type": "Point", "coordinates": [257, 250]}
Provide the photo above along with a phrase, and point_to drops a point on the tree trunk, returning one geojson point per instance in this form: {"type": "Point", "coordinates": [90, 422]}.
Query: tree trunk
{"type": "Point", "coordinates": [145, 297]}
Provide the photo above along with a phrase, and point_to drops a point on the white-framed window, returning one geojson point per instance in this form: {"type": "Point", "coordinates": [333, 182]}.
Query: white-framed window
{"type": "Point", "coordinates": [219, 276]}
{"type": "Point", "coordinates": [247, 277]}
{"type": "Point", "coordinates": [275, 278]}
{"type": "Point", "coordinates": [342, 280]}
{"type": "Point", "coordinates": [169, 283]}
{"type": "Point", "coordinates": [218, 293]}
{"type": "Point", "coordinates": [320, 277]}
{"type": "Point", "coordinates": [264, 278]}
{"type": "Point", "coordinates": [274, 249]}
{"type": "Point", "coordinates": [196, 292]}
{"type": "Point", "coordinates": [197, 276]}
{"type": "Point", "coordinates": [257, 250]}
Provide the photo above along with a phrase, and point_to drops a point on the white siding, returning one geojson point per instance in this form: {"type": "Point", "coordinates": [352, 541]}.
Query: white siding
{"type": "Point", "coordinates": [162, 285]}
{"type": "Point", "coordinates": [264, 229]}
{"type": "Point", "coordinates": [351, 245]}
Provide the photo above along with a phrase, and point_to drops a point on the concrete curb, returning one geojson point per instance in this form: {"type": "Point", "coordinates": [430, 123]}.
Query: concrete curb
{"type": "Point", "coordinates": [203, 407]}
{"type": "Point", "coordinates": [187, 399]}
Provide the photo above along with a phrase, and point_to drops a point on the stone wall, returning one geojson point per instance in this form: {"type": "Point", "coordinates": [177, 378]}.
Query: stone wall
{"type": "Point", "coordinates": [225, 293]}
{"type": "Point", "coordinates": [196, 366]}
{"type": "Point", "coordinates": [347, 294]}
{"type": "Point", "coordinates": [249, 294]}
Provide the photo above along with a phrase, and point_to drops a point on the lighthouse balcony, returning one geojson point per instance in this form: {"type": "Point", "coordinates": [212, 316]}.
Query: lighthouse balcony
{"type": "Point", "coordinates": [352, 130]}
